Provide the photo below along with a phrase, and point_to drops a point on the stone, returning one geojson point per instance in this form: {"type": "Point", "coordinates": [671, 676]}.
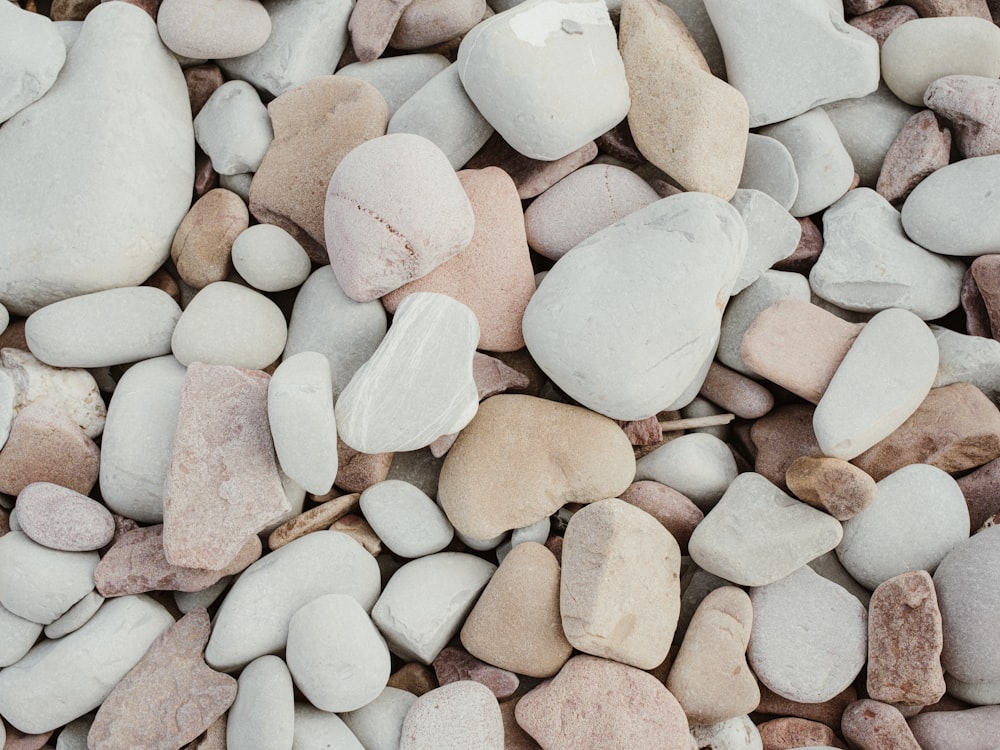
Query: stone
{"type": "Point", "coordinates": [971, 105]}
{"type": "Point", "coordinates": [807, 252]}
{"type": "Point", "coordinates": [458, 715]}
{"type": "Point", "coordinates": [532, 176]}
{"type": "Point", "coordinates": [757, 48]}
{"type": "Point", "coordinates": [222, 485]}
{"type": "Point", "coordinates": [314, 727]}
{"type": "Point", "coordinates": [202, 247]}
{"type": "Point", "coordinates": [229, 324]}
{"type": "Point", "coordinates": [33, 56]}
{"type": "Point", "coordinates": [781, 437]}
{"type": "Point", "coordinates": [979, 489]}
{"type": "Point", "coordinates": [986, 275]}
{"type": "Point", "coordinates": [493, 276]}
{"type": "Point", "coordinates": [582, 94]}
{"type": "Point", "coordinates": [371, 26]}
{"type": "Point", "coordinates": [19, 635]}
{"type": "Point", "coordinates": [792, 732]}
{"type": "Point", "coordinates": [921, 51]}
{"type": "Point", "coordinates": [144, 710]}
{"type": "Point", "coordinates": [827, 712]}
{"type": "Point", "coordinates": [323, 516]}
{"type": "Point", "coordinates": [684, 120]}
{"type": "Point", "coordinates": [757, 534]}
{"type": "Point", "coordinates": [710, 677]}
{"type": "Point", "coordinates": [738, 733]}
{"type": "Point", "coordinates": [378, 724]}
{"type": "Point", "coordinates": [264, 710]}
{"type": "Point", "coordinates": [202, 81]}
{"type": "Point", "coordinates": [698, 465]}
{"type": "Point", "coordinates": [126, 96]}
{"type": "Point", "coordinates": [672, 509]}
{"type": "Point", "coordinates": [977, 8]}
{"type": "Point", "coordinates": [956, 730]}
{"type": "Point", "coordinates": [315, 125]}
{"type": "Point", "coordinates": [407, 521]}
{"type": "Point", "coordinates": [420, 468]}
{"type": "Point", "coordinates": [61, 680]}
{"type": "Point", "coordinates": [905, 641]}
{"type": "Point", "coordinates": [386, 407]}
{"type": "Point", "coordinates": [429, 23]}
{"type": "Point", "coordinates": [454, 664]}
{"type": "Point", "coordinates": [921, 147]}
{"type": "Point", "coordinates": [75, 617]}
{"type": "Point", "coordinates": [831, 484]}
{"type": "Point", "coordinates": [223, 28]}
{"type": "Point", "coordinates": [881, 22]}
{"type": "Point", "coordinates": [396, 78]}
{"type": "Point", "coordinates": [59, 518]}
{"type": "Point", "coordinates": [769, 168]}
{"type": "Point", "coordinates": [590, 338]}
{"type": "Point", "coordinates": [233, 128]}
{"type": "Point", "coordinates": [809, 637]}
{"type": "Point", "coordinates": [415, 678]}
{"type": "Point", "coordinates": [522, 458]}
{"type": "Point", "coordinates": [270, 259]}
{"type": "Point", "coordinates": [872, 725]}
{"type": "Point", "coordinates": [823, 165]}
{"type": "Point", "coordinates": [595, 702]}
{"type": "Point", "coordinates": [695, 17]}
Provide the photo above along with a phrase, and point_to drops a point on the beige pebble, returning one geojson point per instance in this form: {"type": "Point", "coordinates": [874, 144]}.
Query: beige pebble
{"type": "Point", "coordinates": [315, 519]}
{"type": "Point", "coordinates": [360, 531]}
{"type": "Point", "coordinates": [203, 245]}
{"type": "Point", "coordinates": [357, 471]}
{"type": "Point", "coordinates": [45, 445]}
{"type": "Point", "coordinates": [736, 392]}
{"type": "Point", "coordinates": [425, 23]}
{"type": "Point", "coordinates": [832, 484]}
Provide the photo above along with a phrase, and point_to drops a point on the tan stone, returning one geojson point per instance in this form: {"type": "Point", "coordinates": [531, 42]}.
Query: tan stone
{"type": "Point", "coordinates": [315, 519]}
{"type": "Point", "coordinates": [522, 458]}
{"type": "Point", "coordinates": [515, 738]}
{"type": "Point", "coordinates": [832, 484]}
{"type": "Point", "coordinates": [425, 23]}
{"type": "Point", "coordinates": [780, 438]}
{"type": "Point", "coordinates": [213, 738]}
{"type": "Point", "coordinates": [371, 26]}
{"type": "Point", "coordinates": [922, 146]}
{"type": "Point", "coordinates": [357, 471]}
{"type": "Point", "coordinates": [203, 245]}
{"type": "Point", "coordinates": [360, 531]}
{"type": "Point", "coordinates": [872, 725]}
{"type": "Point", "coordinates": [790, 732]}
{"type": "Point", "coordinates": [671, 508]}
{"type": "Point", "coordinates": [515, 624]}
{"type": "Point", "coordinates": [736, 393]}
{"type": "Point", "coordinates": [45, 445]}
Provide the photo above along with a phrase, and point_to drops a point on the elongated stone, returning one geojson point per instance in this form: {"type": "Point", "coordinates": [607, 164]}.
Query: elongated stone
{"type": "Point", "coordinates": [922, 146]}
{"type": "Point", "coordinates": [839, 488]}
{"type": "Point", "coordinates": [38, 583]}
{"type": "Point", "coordinates": [60, 518]}
{"type": "Point", "coordinates": [264, 710]}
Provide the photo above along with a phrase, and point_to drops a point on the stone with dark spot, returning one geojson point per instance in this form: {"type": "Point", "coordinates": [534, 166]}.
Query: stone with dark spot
{"type": "Point", "coordinates": [871, 725]}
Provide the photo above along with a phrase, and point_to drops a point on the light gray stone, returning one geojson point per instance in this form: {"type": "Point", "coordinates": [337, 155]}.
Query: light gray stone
{"type": "Point", "coordinates": [4, 318]}
{"type": "Point", "coordinates": [976, 693]}
{"type": "Point", "coordinates": [270, 259]}
{"type": "Point", "coordinates": [188, 600]}
{"type": "Point", "coordinates": [8, 397]}
{"type": "Point", "coordinates": [33, 55]}
{"type": "Point", "coordinates": [39, 583]}
{"type": "Point", "coordinates": [772, 232]}
{"type": "Point", "coordinates": [73, 736]}
{"type": "Point", "coordinates": [863, 404]}
{"type": "Point", "coordinates": [17, 636]}
{"type": "Point", "coordinates": [76, 616]}
{"type": "Point", "coordinates": [967, 359]}
{"type": "Point", "coordinates": [397, 78]}
{"type": "Point", "coordinates": [699, 466]}
{"type": "Point", "coordinates": [321, 730]}
{"type": "Point", "coordinates": [695, 16]}
{"type": "Point", "coordinates": [738, 733]}
{"type": "Point", "coordinates": [222, 28]}
{"type": "Point", "coordinates": [237, 183]}
{"type": "Point", "coordinates": [868, 263]}
{"type": "Point", "coordinates": [537, 532]}
{"type": "Point", "coordinates": [378, 724]}
{"type": "Point", "coordinates": [234, 129]}
{"type": "Point", "coordinates": [263, 714]}
{"type": "Point", "coordinates": [829, 566]}
{"type": "Point", "coordinates": [407, 521]}
{"type": "Point", "coordinates": [768, 167]}
{"type": "Point", "coordinates": [757, 534]}
{"type": "Point", "coordinates": [72, 224]}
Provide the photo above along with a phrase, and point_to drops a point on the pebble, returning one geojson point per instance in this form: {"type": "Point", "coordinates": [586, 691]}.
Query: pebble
{"type": "Point", "coordinates": [233, 128]}
{"type": "Point", "coordinates": [427, 23]}
{"type": "Point", "coordinates": [414, 678]}
{"type": "Point", "coordinates": [203, 244]}
{"type": "Point", "coordinates": [957, 730]}
{"type": "Point", "coordinates": [781, 437]}
{"type": "Point", "coordinates": [323, 516]}
{"type": "Point", "coordinates": [595, 702]}
{"type": "Point", "coordinates": [532, 176]}
{"type": "Point", "coordinates": [925, 49]}
{"type": "Point", "coordinates": [698, 465]}
{"type": "Point", "coordinates": [33, 56]}
{"type": "Point", "coordinates": [672, 509]}
{"type": "Point", "coordinates": [809, 637]}
{"type": "Point", "coordinates": [316, 730]}
{"type": "Point", "coordinates": [125, 94]}
{"type": "Point", "coordinates": [454, 664]}
{"type": "Point", "coordinates": [806, 252]}
{"type": "Point", "coordinates": [971, 105]}
{"type": "Point", "coordinates": [263, 713]}
{"type": "Point", "coordinates": [772, 232]}
{"type": "Point", "coordinates": [229, 324]}
{"type": "Point", "coordinates": [19, 635]}
{"type": "Point", "coordinates": [831, 484]}
{"type": "Point", "coordinates": [371, 25]}
{"type": "Point", "coordinates": [758, 43]}
{"type": "Point", "coordinates": [738, 733]}
{"type": "Point", "coordinates": [769, 168]}
{"type": "Point", "coordinates": [979, 489]}
{"type": "Point", "coordinates": [426, 601]}
{"type": "Point", "coordinates": [522, 458]}
{"type": "Point", "coordinates": [792, 732]}
{"type": "Point", "coordinates": [756, 534]}
{"type": "Point", "coordinates": [456, 716]}
{"type": "Point", "coordinates": [591, 338]}
{"type": "Point", "coordinates": [408, 522]}
{"type": "Point", "coordinates": [59, 518]}
{"type": "Point", "coordinates": [986, 275]}
{"type": "Point", "coordinates": [881, 22]}
{"type": "Point", "coordinates": [202, 81]}
{"type": "Point", "coordinates": [269, 258]}
{"type": "Point", "coordinates": [75, 617]}
{"type": "Point", "coordinates": [378, 724]}
{"type": "Point", "coordinates": [397, 78]}
{"type": "Point", "coordinates": [226, 28]}
{"type": "Point", "coordinates": [871, 725]}
{"type": "Point", "coordinates": [922, 146]}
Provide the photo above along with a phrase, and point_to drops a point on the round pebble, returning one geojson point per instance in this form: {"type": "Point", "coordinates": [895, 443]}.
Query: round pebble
{"type": "Point", "coordinates": [699, 466]}
{"type": "Point", "coordinates": [407, 521]}
{"type": "Point", "coordinates": [270, 259]}
{"type": "Point", "coordinates": [234, 129]}
{"type": "Point", "coordinates": [222, 28]}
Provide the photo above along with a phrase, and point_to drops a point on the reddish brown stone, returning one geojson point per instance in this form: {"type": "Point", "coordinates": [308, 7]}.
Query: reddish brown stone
{"type": "Point", "coordinates": [982, 493]}
{"type": "Point", "coordinates": [736, 393]}
{"type": "Point", "coordinates": [426, 23]}
{"type": "Point", "coordinates": [203, 244]}
{"type": "Point", "coordinates": [360, 531]}
{"type": "Point", "coordinates": [205, 176]}
{"type": "Point", "coordinates": [454, 664]}
{"type": "Point", "coordinates": [163, 281]}
{"type": "Point", "coordinates": [831, 484]}
{"type": "Point", "coordinates": [619, 144]}
{"type": "Point", "coordinates": [977, 317]}
{"type": "Point", "coordinates": [72, 10]}
{"type": "Point", "coordinates": [879, 23]}
{"type": "Point", "coordinates": [676, 512]}
{"type": "Point", "coordinates": [371, 26]}
{"type": "Point", "coordinates": [806, 252]}
{"type": "Point", "coordinates": [791, 732]}
{"type": "Point", "coordinates": [986, 273]}
{"type": "Point", "coordinates": [414, 677]}
{"type": "Point", "coordinates": [13, 337]}
{"type": "Point", "coordinates": [357, 471]}
{"type": "Point", "coordinates": [316, 519]}
{"type": "Point", "coordinates": [971, 105]}
{"type": "Point", "coordinates": [827, 712]}
{"type": "Point", "coordinates": [515, 738]}
{"type": "Point", "coordinates": [492, 376]}
{"type": "Point", "coordinates": [522, 361]}
{"type": "Point", "coordinates": [18, 740]}
{"type": "Point", "coordinates": [202, 81]}
{"type": "Point", "coordinates": [871, 725]}
{"type": "Point", "coordinates": [781, 437]}
{"type": "Point", "coordinates": [934, 8]}
{"type": "Point", "coordinates": [922, 146]}
{"type": "Point", "coordinates": [531, 176]}
{"type": "Point", "coordinates": [4, 521]}
{"type": "Point", "coordinates": [647, 431]}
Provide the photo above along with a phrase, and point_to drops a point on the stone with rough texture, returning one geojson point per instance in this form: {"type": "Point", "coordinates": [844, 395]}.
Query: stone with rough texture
{"type": "Point", "coordinates": [322, 516]}
{"type": "Point", "coordinates": [881, 22]}
{"type": "Point", "coordinates": [971, 105]}
{"type": "Point", "coordinates": [62, 519]}
{"type": "Point", "coordinates": [397, 78]}
{"type": "Point", "coordinates": [809, 637]}
{"type": "Point", "coordinates": [921, 147]}
{"type": "Point", "coordinates": [980, 490]}
{"type": "Point", "coordinates": [699, 465]}
{"type": "Point", "coordinates": [454, 664]}
{"type": "Point", "coordinates": [459, 715]}
{"type": "Point", "coordinates": [831, 484]}
{"type": "Point", "coordinates": [827, 712]}
{"type": "Point", "coordinates": [407, 521]}
{"type": "Point", "coordinates": [263, 714]}
{"type": "Point", "coordinates": [986, 274]}
{"type": "Point", "coordinates": [772, 232]}
{"type": "Point", "coordinates": [671, 508]}
{"type": "Point", "coordinates": [170, 697]}
{"type": "Point", "coordinates": [234, 129]}
{"type": "Point", "coordinates": [39, 583]}
{"type": "Point", "coordinates": [957, 730]}
{"type": "Point", "coordinates": [872, 725]}
{"type": "Point", "coordinates": [33, 56]}
{"type": "Point", "coordinates": [768, 167]}
{"type": "Point", "coordinates": [522, 458]}
{"type": "Point", "coordinates": [793, 732]}
{"type": "Point", "coordinates": [378, 724]}
{"type": "Point", "coordinates": [270, 259]}
{"type": "Point", "coordinates": [738, 733]}
{"type": "Point", "coordinates": [217, 29]}
{"type": "Point", "coordinates": [89, 229]}
{"type": "Point", "coordinates": [203, 245]}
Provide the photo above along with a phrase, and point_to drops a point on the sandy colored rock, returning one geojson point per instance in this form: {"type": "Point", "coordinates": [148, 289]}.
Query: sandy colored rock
{"type": "Point", "coordinates": [454, 664]}
{"type": "Point", "coordinates": [832, 484]}
{"type": "Point", "coordinates": [357, 471]}
{"type": "Point", "coordinates": [371, 26]}
{"type": "Point", "coordinates": [871, 725]}
{"type": "Point", "coordinates": [459, 715]}
{"type": "Point", "coordinates": [45, 445]}
{"type": "Point", "coordinates": [957, 730]}
{"type": "Point", "coordinates": [736, 393]}
{"type": "Point", "coordinates": [922, 146]}
{"type": "Point", "coordinates": [60, 518]}
{"type": "Point", "coordinates": [203, 244]}
{"type": "Point", "coordinates": [671, 508]}
{"type": "Point", "coordinates": [791, 732]}
{"type": "Point", "coordinates": [323, 516]}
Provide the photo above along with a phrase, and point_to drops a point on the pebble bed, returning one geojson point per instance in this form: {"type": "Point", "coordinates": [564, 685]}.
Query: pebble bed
{"type": "Point", "coordinates": [560, 374]}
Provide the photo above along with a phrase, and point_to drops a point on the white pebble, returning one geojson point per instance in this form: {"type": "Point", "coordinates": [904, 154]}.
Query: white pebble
{"type": "Point", "coordinates": [378, 724]}
{"type": "Point", "coordinates": [263, 715]}
{"type": "Point", "coordinates": [270, 259]}
{"type": "Point", "coordinates": [406, 520]}
{"type": "Point", "coordinates": [699, 466]}
{"type": "Point", "coordinates": [234, 129]}
{"type": "Point", "coordinates": [40, 584]}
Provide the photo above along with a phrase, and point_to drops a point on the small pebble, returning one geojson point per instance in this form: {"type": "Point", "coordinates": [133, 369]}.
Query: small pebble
{"type": "Point", "coordinates": [922, 146]}
{"type": "Point", "coordinates": [672, 509]}
{"type": "Point", "coordinates": [831, 484]}
{"type": "Point", "coordinates": [792, 732]}
{"type": "Point", "coordinates": [269, 258]}
{"type": "Point", "coordinates": [202, 246]}
{"type": "Point", "coordinates": [225, 28]}
{"type": "Point", "coordinates": [738, 733]}
{"type": "Point", "coordinates": [532, 176]}
{"type": "Point", "coordinates": [881, 22]}
{"type": "Point", "coordinates": [456, 716]}
{"type": "Point", "coordinates": [454, 664]}
{"type": "Point", "coordinates": [699, 466]}
{"type": "Point", "coordinates": [75, 617]}
{"type": "Point", "coordinates": [871, 725]}
{"type": "Point", "coordinates": [314, 728]}
{"type": "Point", "coordinates": [768, 167]}
{"type": "Point", "coordinates": [62, 519]}
{"type": "Point", "coordinates": [426, 23]}
{"type": "Point", "coordinates": [233, 128]}
{"type": "Point", "coordinates": [407, 521]}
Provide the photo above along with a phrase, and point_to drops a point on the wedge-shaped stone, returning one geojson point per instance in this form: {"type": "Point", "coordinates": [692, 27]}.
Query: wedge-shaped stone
{"type": "Point", "coordinates": [768, 167]}
{"type": "Point", "coordinates": [772, 232]}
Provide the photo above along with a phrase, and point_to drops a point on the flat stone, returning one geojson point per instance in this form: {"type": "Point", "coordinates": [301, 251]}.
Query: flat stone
{"type": "Point", "coordinates": [322, 516]}
{"type": "Point", "coordinates": [264, 709]}
{"type": "Point", "coordinates": [757, 534]}
{"type": "Point", "coordinates": [270, 259]}
{"type": "Point", "coordinates": [19, 635]}
{"type": "Point", "coordinates": [170, 697]}
{"type": "Point", "coordinates": [233, 128]}
{"type": "Point", "coordinates": [202, 81]}
{"type": "Point", "coordinates": [809, 637]}
{"type": "Point", "coordinates": [781, 437]}
{"type": "Point", "coordinates": [672, 509]}
{"type": "Point", "coordinates": [76, 616]}
{"type": "Point", "coordinates": [831, 484]}
{"type": "Point", "coordinates": [91, 230]}
{"type": "Point", "coordinates": [407, 521]}
{"type": "Point", "coordinates": [33, 56]}
{"type": "Point", "coordinates": [921, 147]}
{"type": "Point", "coordinates": [59, 518]}
{"type": "Point", "coordinates": [226, 28]}
{"type": "Point", "coordinates": [458, 715]}
{"type": "Point", "coordinates": [872, 725]}
{"type": "Point", "coordinates": [971, 105]}
{"type": "Point", "coordinates": [522, 458]}
{"type": "Point", "coordinates": [222, 485]}
{"type": "Point", "coordinates": [955, 730]}
{"type": "Point", "coordinates": [532, 176]}
{"type": "Point", "coordinates": [591, 338]}
{"type": "Point", "coordinates": [757, 49]}
{"type": "Point", "coordinates": [698, 465]}
{"type": "Point", "coordinates": [454, 664]}
{"type": "Point", "coordinates": [378, 724]}
{"type": "Point", "coordinates": [396, 78]}
{"type": "Point", "coordinates": [792, 732]}
{"type": "Point", "coordinates": [202, 247]}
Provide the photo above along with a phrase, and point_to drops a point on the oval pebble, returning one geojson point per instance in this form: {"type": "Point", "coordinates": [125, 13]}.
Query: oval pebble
{"type": "Point", "coordinates": [319, 730]}
{"type": "Point", "coordinates": [234, 129]}
{"type": "Point", "coordinates": [772, 232]}
{"type": "Point", "coordinates": [203, 245]}
{"type": "Point", "coordinates": [62, 519]}
{"type": "Point", "coordinates": [222, 28]}
{"type": "Point", "coordinates": [76, 616]}
{"type": "Point", "coordinates": [19, 635]}
{"type": "Point", "coordinates": [700, 466]}
{"type": "Point", "coordinates": [263, 714]}
{"type": "Point", "coordinates": [408, 522]}
{"type": "Point", "coordinates": [378, 724]}
{"type": "Point", "coordinates": [39, 583]}
{"type": "Point", "coordinates": [270, 259]}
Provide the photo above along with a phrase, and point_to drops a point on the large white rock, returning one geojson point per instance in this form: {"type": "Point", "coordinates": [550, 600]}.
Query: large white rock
{"type": "Point", "coordinates": [263, 714]}
{"type": "Point", "coordinates": [39, 583]}
{"type": "Point", "coordinates": [626, 321]}
{"type": "Point", "coordinates": [216, 29]}
{"type": "Point", "coordinates": [31, 55]}
{"type": "Point", "coordinates": [406, 520]}
{"type": "Point", "coordinates": [97, 174]}
{"type": "Point", "coordinates": [234, 129]}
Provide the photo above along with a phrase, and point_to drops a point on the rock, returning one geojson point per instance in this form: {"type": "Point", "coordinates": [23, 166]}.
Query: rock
{"type": "Point", "coordinates": [769, 168]}
{"type": "Point", "coordinates": [19, 636]}
{"type": "Point", "coordinates": [396, 78]}
{"type": "Point", "coordinates": [738, 733]}
{"type": "Point", "coordinates": [685, 121]}
{"type": "Point", "coordinates": [921, 147]}
{"type": "Point", "coordinates": [695, 17]}
{"type": "Point", "coordinates": [955, 730]}
{"type": "Point", "coordinates": [224, 28]}
{"type": "Point", "coordinates": [407, 521]}
{"type": "Point", "coordinates": [871, 725]}
{"type": "Point", "coordinates": [791, 732]}
{"type": "Point", "coordinates": [371, 26]}
{"type": "Point", "coordinates": [827, 712]}
{"type": "Point", "coordinates": [233, 128]}
{"type": "Point", "coordinates": [522, 458]}
{"type": "Point", "coordinates": [459, 715]}
{"type": "Point", "coordinates": [378, 725]}
{"type": "Point", "coordinates": [39, 583]}
{"type": "Point", "coordinates": [228, 324]}
{"type": "Point", "coordinates": [831, 484]}
{"type": "Point", "coordinates": [773, 234]}
{"type": "Point", "coordinates": [807, 252]}
{"type": "Point", "coordinates": [977, 8]}
{"type": "Point", "coordinates": [971, 105]}
{"type": "Point", "coordinates": [126, 96]}
{"type": "Point", "coordinates": [979, 489]}
{"type": "Point", "coordinates": [582, 94]}
{"type": "Point", "coordinates": [881, 22]}
{"type": "Point", "coordinates": [415, 678]}
{"type": "Point", "coordinates": [532, 176]}
{"type": "Point", "coordinates": [921, 51]}
{"type": "Point", "coordinates": [33, 56]}
{"type": "Point", "coordinates": [454, 664]}
{"type": "Point", "coordinates": [781, 437]}
{"type": "Point", "coordinates": [222, 484]}
{"type": "Point", "coordinates": [264, 710]}
{"type": "Point", "coordinates": [202, 81]}
{"type": "Point", "coordinates": [591, 338]}
{"type": "Point", "coordinates": [809, 637]}
{"type": "Point", "coordinates": [758, 47]}
{"type": "Point", "coordinates": [380, 410]}
{"type": "Point", "coordinates": [62, 519]}
{"type": "Point", "coordinates": [673, 510]}
{"type": "Point", "coordinates": [596, 702]}
{"type": "Point", "coordinates": [270, 259]}
{"type": "Point", "coordinates": [698, 465]}
{"type": "Point", "coordinates": [323, 516]}
{"type": "Point", "coordinates": [313, 728]}
{"type": "Point", "coordinates": [986, 275]}
{"type": "Point", "coordinates": [202, 247]}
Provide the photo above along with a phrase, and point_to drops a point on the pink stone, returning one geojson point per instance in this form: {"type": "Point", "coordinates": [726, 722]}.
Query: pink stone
{"type": "Point", "coordinates": [780, 438]}
{"type": "Point", "coordinates": [982, 493]}
{"type": "Point", "coordinates": [454, 664]}
{"type": "Point", "coordinates": [977, 317]}
{"type": "Point", "coordinates": [871, 725]}
{"type": "Point", "coordinates": [806, 252]}
{"type": "Point", "coordinates": [643, 431]}
{"type": "Point", "coordinates": [986, 273]}
{"type": "Point", "coordinates": [735, 392]}
{"type": "Point", "coordinates": [881, 22]}
{"type": "Point", "coordinates": [371, 26]}
{"type": "Point", "coordinates": [532, 177]}
{"type": "Point", "coordinates": [921, 147]}
{"type": "Point", "coordinates": [958, 730]}
{"type": "Point", "coordinates": [60, 518]}
{"type": "Point", "coordinates": [971, 104]}
{"type": "Point", "coordinates": [676, 512]}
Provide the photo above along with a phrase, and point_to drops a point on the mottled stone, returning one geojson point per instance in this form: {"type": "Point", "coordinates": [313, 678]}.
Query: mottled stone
{"type": "Point", "coordinates": [202, 80]}
{"type": "Point", "coordinates": [832, 484]}
{"type": "Point", "coordinates": [357, 471]}
{"type": "Point", "coordinates": [45, 445]}
{"type": "Point", "coordinates": [791, 732]}
{"type": "Point", "coordinates": [805, 255]}
{"type": "Point", "coordinates": [224, 28]}
{"type": "Point", "coordinates": [986, 274]}
{"type": "Point", "coordinates": [922, 146]}
{"type": "Point", "coordinates": [671, 508]}
{"type": "Point", "coordinates": [872, 725]}
{"type": "Point", "coordinates": [60, 518]}
{"type": "Point", "coordinates": [323, 516]}
{"type": "Point", "coordinates": [371, 26]}
{"type": "Point", "coordinates": [881, 22]}
{"type": "Point", "coordinates": [459, 715]}
{"type": "Point", "coordinates": [971, 105]}
{"type": "Point", "coordinates": [453, 664]}
{"type": "Point", "coordinates": [202, 247]}
{"type": "Point", "coordinates": [736, 393]}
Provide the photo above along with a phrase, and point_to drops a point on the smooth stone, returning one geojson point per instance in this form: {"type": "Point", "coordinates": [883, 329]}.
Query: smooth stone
{"type": "Point", "coordinates": [228, 324]}
{"type": "Point", "coordinates": [858, 410]}
{"type": "Point", "coordinates": [921, 147]}
{"type": "Point", "coordinates": [759, 42]}
{"type": "Point", "coordinates": [756, 534]}
{"type": "Point", "coordinates": [307, 39]}
{"type": "Point", "coordinates": [793, 732]}
{"type": "Point", "coordinates": [808, 250]}
{"type": "Point", "coordinates": [127, 98]}
{"type": "Point", "coordinates": [809, 637]}
{"type": "Point", "coordinates": [420, 468]}
{"type": "Point", "coordinates": [408, 522]}
{"type": "Point", "coordinates": [769, 168]}
{"type": "Point", "coordinates": [532, 176]}
{"type": "Point", "coordinates": [73, 736]}
{"type": "Point", "coordinates": [459, 715]}
{"type": "Point", "coordinates": [397, 78]}
{"type": "Point", "coordinates": [590, 338]}
{"type": "Point", "coordinates": [378, 724]}
{"type": "Point", "coordinates": [772, 232]}
{"type": "Point", "coordinates": [138, 438]}
{"type": "Point", "coordinates": [831, 484]}
{"type": "Point", "coordinates": [34, 54]}
{"type": "Point", "coordinates": [371, 27]}
{"type": "Point", "coordinates": [971, 105]}
{"type": "Point", "coordinates": [106, 328]}
{"type": "Point", "coordinates": [301, 417]}
{"type": "Point", "coordinates": [59, 518]}
{"type": "Point", "coordinates": [974, 693]}
{"type": "Point", "coordinates": [925, 49]}
{"type": "Point", "coordinates": [737, 733]}
{"type": "Point", "coordinates": [428, 23]}
{"type": "Point", "coordinates": [454, 664]}
{"type": "Point", "coordinates": [582, 92]}
{"type": "Point", "coordinates": [953, 211]}
{"type": "Point", "coordinates": [700, 466]}
{"type": "Point", "coordinates": [823, 165]}
{"type": "Point", "coordinates": [695, 17]}
{"type": "Point", "coordinates": [19, 635]}
{"type": "Point", "coordinates": [324, 319]}
{"type": "Point", "coordinates": [237, 183]}
{"type": "Point", "coordinates": [872, 725]}
{"type": "Point", "coordinates": [8, 396]}
{"type": "Point", "coordinates": [270, 259]}
{"type": "Point", "coordinates": [202, 81]}
{"type": "Point", "coordinates": [426, 601]}
{"type": "Point", "coordinates": [985, 272]}
{"type": "Point", "coordinates": [868, 263]}
{"type": "Point", "coordinates": [203, 245]}
{"type": "Point", "coordinates": [319, 730]}
{"type": "Point", "coordinates": [957, 730]}
{"type": "Point", "coordinates": [224, 28]}
{"type": "Point", "coordinates": [263, 713]}
{"type": "Point", "coordinates": [234, 129]}
{"type": "Point", "coordinates": [324, 562]}
{"type": "Point", "coordinates": [781, 437]}
{"type": "Point", "coordinates": [76, 616]}
{"type": "Point", "coordinates": [933, 8]}
{"type": "Point", "coordinates": [979, 489]}
{"type": "Point", "coordinates": [581, 204]}
{"type": "Point", "coordinates": [672, 509]}
{"type": "Point", "coordinates": [61, 680]}
{"type": "Point", "coordinates": [522, 458]}
{"type": "Point", "coordinates": [379, 411]}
